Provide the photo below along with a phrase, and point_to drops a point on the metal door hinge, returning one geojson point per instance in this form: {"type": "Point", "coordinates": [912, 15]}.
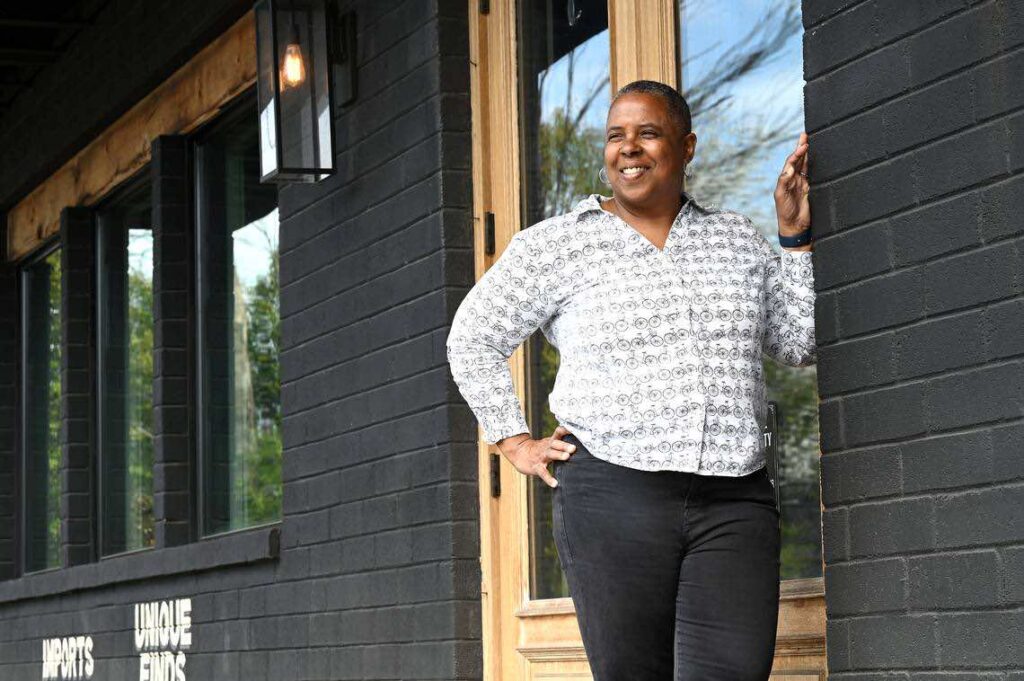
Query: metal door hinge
{"type": "Point", "coordinates": [495, 475]}
{"type": "Point", "coordinates": [489, 233]}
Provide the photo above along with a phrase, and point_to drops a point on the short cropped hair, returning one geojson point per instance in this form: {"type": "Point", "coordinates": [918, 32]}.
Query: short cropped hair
{"type": "Point", "coordinates": [678, 109]}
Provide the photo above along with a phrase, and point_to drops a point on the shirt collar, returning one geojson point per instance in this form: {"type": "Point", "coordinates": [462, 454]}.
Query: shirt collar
{"type": "Point", "coordinates": [593, 202]}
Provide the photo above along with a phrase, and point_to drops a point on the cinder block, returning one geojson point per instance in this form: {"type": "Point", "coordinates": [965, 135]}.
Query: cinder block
{"type": "Point", "coordinates": [884, 414]}
{"type": "Point", "coordinates": [960, 581]}
{"type": "Point", "coordinates": [980, 517]}
{"type": "Point", "coordinates": [866, 587]}
{"type": "Point", "coordinates": [888, 528]}
{"type": "Point", "coordinates": [901, 640]}
{"type": "Point", "coordinates": [974, 397]}
{"type": "Point", "coordinates": [943, 344]}
{"type": "Point", "coordinates": [954, 460]}
{"type": "Point", "coordinates": [936, 229]}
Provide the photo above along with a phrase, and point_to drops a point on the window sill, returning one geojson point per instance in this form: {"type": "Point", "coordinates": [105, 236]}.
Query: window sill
{"type": "Point", "coordinates": [236, 548]}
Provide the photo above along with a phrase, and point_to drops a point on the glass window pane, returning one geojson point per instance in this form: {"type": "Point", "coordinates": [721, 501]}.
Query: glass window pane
{"type": "Point", "coordinates": [741, 69]}
{"type": "Point", "coordinates": [41, 385]}
{"type": "Point", "coordinates": [564, 71]}
{"type": "Point", "coordinates": [240, 436]}
{"type": "Point", "coordinates": [125, 332]}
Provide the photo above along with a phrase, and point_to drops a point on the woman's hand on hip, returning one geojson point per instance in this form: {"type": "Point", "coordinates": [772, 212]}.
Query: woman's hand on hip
{"type": "Point", "coordinates": [531, 457]}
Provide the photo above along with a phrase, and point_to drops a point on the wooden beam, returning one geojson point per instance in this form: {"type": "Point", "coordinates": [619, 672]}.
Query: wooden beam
{"type": "Point", "coordinates": [192, 95]}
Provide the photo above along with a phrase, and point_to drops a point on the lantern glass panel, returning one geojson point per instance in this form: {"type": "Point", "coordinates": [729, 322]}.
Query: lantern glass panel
{"type": "Point", "coordinates": [266, 87]}
{"type": "Point", "coordinates": [295, 91]}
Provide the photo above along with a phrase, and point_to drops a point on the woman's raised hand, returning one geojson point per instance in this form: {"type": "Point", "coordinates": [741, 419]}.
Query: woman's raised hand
{"type": "Point", "coordinates": [791, 204]}
{"type": "Point", "coordinates": [531, 457]}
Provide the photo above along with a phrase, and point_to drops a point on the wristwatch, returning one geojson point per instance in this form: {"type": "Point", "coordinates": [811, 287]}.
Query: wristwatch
{"type": "Point", "coordinates": [796, 239]}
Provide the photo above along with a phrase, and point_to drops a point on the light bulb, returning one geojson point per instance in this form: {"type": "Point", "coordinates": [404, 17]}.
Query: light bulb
{"type": "Point", "coordinates": [293, 67]}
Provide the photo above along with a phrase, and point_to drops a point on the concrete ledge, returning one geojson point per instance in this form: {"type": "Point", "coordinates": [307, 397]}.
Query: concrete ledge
{"type": "Point", "coordinates": [234, 548]}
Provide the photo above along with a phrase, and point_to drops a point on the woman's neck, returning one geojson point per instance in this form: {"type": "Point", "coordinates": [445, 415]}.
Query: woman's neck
{"type": "Point", "coordinates": [660, 214]}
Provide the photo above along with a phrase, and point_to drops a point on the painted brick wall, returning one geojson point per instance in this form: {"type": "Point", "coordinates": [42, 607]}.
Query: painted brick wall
{"type": "Point", "coordinates": [373, 572]}
{"type": "Point", "coordinates": [173, 322]}
{"type": "Point", "coordinates": [915, 117]}
{"type": "Point", "coordinates": [78, 368]}
{"type": "Point", "coordinates": [381, 507]}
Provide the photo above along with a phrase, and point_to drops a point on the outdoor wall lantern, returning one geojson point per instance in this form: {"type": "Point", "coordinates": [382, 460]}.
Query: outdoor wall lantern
{"type": "Point", "coordinates": [295, 56]}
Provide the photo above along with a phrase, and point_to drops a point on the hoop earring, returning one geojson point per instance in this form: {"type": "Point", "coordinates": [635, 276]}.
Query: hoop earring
{"type": "Point", "coordinates": [686, 170]}
{"type": "Point", "coordinates": [603, 175]}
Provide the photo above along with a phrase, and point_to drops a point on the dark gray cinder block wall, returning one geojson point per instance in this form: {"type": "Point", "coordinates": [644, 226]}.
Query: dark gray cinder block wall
{"type": "Point", "coordinates": [381, 505]}
{"type": "Point", "coordinates": [373, 572]}
{"type": "Point", "coordinates": [914, 111]}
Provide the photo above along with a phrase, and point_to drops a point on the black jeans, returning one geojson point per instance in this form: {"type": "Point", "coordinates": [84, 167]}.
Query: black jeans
{"type": "Point", "coordinates": [674, 576]}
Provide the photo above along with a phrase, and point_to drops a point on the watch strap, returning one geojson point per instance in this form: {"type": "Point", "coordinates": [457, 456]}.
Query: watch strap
{"type": "Point", "coordinates": [800, 239]}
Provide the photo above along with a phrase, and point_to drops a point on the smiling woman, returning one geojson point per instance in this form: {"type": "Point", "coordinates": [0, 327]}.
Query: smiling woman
{"type": "Point", "coordinates": [659, 398]}
{"type": "Point", "coordinates": [661, 332]}
{"type": "Point", "coordinates": [648, 143]}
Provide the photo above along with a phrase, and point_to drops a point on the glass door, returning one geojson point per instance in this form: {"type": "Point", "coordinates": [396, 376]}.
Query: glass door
{"type": "Point", "coordinates": [564, 93]}
{"type": "Point", "coordinates": [741, 71]}
{"type": "Point", "coordinates": [542, 74]}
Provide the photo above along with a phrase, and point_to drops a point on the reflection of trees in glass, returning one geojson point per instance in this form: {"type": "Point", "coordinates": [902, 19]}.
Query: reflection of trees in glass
{"type": "Point", "coordinates": [733, 143]}
{"type": "Point", "coordinates": [549, 580]}
{"type": "Point", "coordinates": [571, 153]}
{"type": "Point", "coordinates": [257, 479]}
{"type": "Point", "coordinates": [139, 527]}
{"type": "Point", "coordinates": [53, 414]}
{"type": "Point", "coordinates": [563, 154]}
{"type": "Point", "coordinates": [733, 140]}
{"type": "Point", "coordinates": [795, 389]}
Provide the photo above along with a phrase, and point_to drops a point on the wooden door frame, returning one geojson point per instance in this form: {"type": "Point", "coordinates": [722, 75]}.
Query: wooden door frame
{"type": "Point", "coordinates": [638, 49]}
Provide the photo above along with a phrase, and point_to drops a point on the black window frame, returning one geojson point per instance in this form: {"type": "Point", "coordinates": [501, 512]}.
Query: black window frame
{"type": "Point", "coordinates": [136, 182]}
{"type": "Point", "coordinates": [45, 250]}
{"type": "Point", "coordinates": [245, 104]}
{"type": "Point", "coordinates": [241, 546]}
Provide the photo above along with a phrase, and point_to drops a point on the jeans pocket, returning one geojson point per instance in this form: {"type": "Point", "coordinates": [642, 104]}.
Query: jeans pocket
{"type": "Point", "coordinates": [558, 515]}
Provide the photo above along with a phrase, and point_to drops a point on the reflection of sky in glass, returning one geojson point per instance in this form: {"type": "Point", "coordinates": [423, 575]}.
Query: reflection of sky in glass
{"type": "Point", "coordinates": [253, 245]}
{"type": "Point", "coordinates": [711, 27]}
{"type": "Point", "coordinates": [591, 67]}
{"type": "Point", "coordinates": [772, 92]}
{"type": "Point", "coordinates": [140, 252]}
